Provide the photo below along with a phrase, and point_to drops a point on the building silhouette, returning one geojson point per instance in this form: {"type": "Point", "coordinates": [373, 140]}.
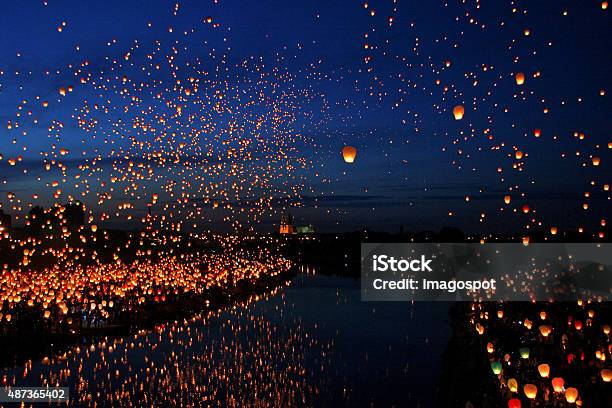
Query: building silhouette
{"type": "Point", "coordinates": [287, 227]}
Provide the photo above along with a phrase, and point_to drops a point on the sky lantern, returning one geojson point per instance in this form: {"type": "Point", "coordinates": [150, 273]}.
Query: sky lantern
{"type": "Point", "coordinates": [525, 208]}
{"type": "Point", "coordinates": [530, 391]}
{"type": "Point", "coordinates": [513, 385]}
{"type": "Point", "coordinates": [520, 78]}
{"type": "Point", "coordinates": [571, 395]}
{"type": "Point", "coordinates": [500, 314]}
{"type": "Point", "coordinates": [545, 330]}
{"type": "Point", "coordinates": [514, 403]}
{"type": "Point", "coordinates": [458, 112]}
{"type": "Point", "coordinates": [544, 370]}
{"type": "Point", "coordinates": [496, 367]}
{"type": "Point", "coordinates": [557, 384]}
{"type": "Point", "coordinates": [507, 199]}
{"type": "Point", "coordinates": [537, 132]}
{"type": "Point", "coordinates": [606, 329]}
{"type": "Point", "coordinates": [596, 160]}
{"type": "Point", "coordinates": [553, 230]}
{"type": "Point", "coordinates": [524, 352]}
{"type": "Point", "coordinates": [518, 154]}
{"type": "Point", "coordinates": [349, 153]}
{"type": "Point", "coordinates": [490, 348]}
{"type": "Point", "coordinates": [578, 325]}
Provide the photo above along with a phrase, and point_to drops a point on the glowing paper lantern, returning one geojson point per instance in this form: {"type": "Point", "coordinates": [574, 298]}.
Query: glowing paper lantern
{"type": "Point", "coordinates": [512, 385]}
{"type": "Point", "coordinates": [458, 112]}
{"type": "Point", "coordinates": [557, 384]}
{"type": "Point", "coordinates": [349, 153]}
{"type": "Point", "coordinates": [544, 370]}
{"type": "Point", "coordinates": [520, 78]}
{"type": "Point", "coordinates": [606, 375]}
{"type": "Point", "coordinates": [571, 394]}
{"type": "Point", "coordinates": [514, 403]}
{"type": "Point", "coordinates": [596, 160]}
{"type": "Point", "coordinates": [507, 199]}
{"type": "Point", "coordinates": [524, 352]}
{"type": "Point", "coordinates": [545, 330]}
{"type": "Point", "coordinates": [530, 391]}
{"type": "Point", "coordinates": [496, 367]}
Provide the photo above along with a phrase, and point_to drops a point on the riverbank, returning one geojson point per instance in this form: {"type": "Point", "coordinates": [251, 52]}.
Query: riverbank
{"type": "Point", "coordinates": [31, 340]}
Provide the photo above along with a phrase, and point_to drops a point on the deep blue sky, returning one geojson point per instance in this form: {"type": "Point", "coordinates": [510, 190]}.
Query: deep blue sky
{"type": "Point", "coordinates": [415, 162]}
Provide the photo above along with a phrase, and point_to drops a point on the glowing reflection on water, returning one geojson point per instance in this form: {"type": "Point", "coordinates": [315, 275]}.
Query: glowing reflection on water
{"type": "Point", "coordinates": [310, 343]}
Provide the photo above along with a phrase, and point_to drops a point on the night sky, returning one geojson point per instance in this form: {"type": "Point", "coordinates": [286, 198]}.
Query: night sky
{"type": "Point", "coordinates": [236, 110]}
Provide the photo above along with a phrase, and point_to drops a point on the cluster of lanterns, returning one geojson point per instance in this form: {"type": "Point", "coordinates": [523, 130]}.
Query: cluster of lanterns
{"type": "Point", "coordinates": [552, 339]}
{"type": "Point", "coordinates": [68, 290]}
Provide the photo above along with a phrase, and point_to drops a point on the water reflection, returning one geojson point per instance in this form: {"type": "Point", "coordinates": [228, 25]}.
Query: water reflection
{"type": "Point", "coordinates": [312, 342]}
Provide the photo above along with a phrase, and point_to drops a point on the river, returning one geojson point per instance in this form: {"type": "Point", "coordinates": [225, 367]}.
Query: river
{"type": "Point", "coordinates": [311, 342]}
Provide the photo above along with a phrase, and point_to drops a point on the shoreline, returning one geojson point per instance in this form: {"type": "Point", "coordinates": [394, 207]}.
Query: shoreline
{"type": "Point", "coordinates": [20, 346]}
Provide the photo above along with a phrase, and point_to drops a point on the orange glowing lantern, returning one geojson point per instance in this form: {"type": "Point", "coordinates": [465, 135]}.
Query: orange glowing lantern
{"type": "Point", "coordinates": [525, 208]}
{"type": "Point", "coordinates": [606, 375]}
{"type": "Point", "coordinates": [571, 395]}
{"type": "Point", "coordinates": [537, 132]}
{"type": "Point", "coordinates": [545, 330]}
{"type": "Point", "coordinates": [513, 385]}
{"type": "Point", "coordinates": [458, 112]}
{"type": "Point", "coordinates": [544, 370]}
{"type": "Point", "coordinates": [518, 154]}
{"type": "Point", "coordinates": [530, 391]}
{"type": "Point", "coordinates": [596, 160]}
{"type": "Point", "coordinates": [557, 384]}
{"type": "Point", "coordinates": [349, 153]}
{"type": "Point", "coordinates": [520, 78]}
